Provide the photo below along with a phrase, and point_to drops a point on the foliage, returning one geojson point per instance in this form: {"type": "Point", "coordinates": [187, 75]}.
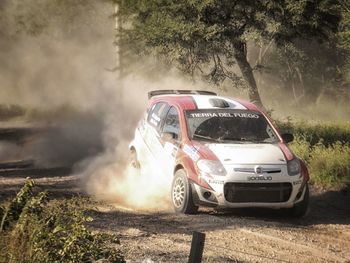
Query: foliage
{"type": "Point", "coordinates": [307, 71]}
{"type": "Point", "coordinates": [325, 148]}
{"type": "Point", "coordinates": [301, 148]}
{"type": "Point", "coordinates": [194, 34]}
{"type": "Point", "coordinates": [306, 68]}
{"type": "Point", "coordinates": [330, 166]}
{"type": "Point", "coordinates": [38, 231]}
{"type": "Point", "coordinates": [210, 37]}
{"type": "Point", "coordinates": [344, 30]}
{"type": "Point", "coordinates": [314, 133]}
{"type": "Point", "coordinates": [14, 210]}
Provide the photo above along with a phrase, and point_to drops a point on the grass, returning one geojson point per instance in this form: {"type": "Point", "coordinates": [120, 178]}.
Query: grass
{"type": "Point", "coordinates": [325, 148]}
{"type": "Point", "coordinates": [313, 133]}
{"type": "Point", "coordinates": [34, 229]}
{"type": "Point", "coordinates": [330, 166]}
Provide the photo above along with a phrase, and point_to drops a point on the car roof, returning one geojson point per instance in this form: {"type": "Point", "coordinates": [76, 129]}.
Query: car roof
{"type": "Point", "coordinates": [195, 102]}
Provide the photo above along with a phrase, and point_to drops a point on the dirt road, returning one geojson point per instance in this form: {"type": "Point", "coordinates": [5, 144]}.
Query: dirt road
{"type": "Point", "coordinates": [239, 236]}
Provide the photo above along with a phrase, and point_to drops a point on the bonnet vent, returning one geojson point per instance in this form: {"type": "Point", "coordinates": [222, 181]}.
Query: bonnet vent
{"type": "Point", "coordinates": [219, 103]}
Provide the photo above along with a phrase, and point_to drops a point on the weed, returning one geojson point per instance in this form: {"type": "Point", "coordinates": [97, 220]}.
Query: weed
{"type": "Point", "coordinates": [330, 166]}
{"type": "Point", "coordinates": [329, 133]}
{"type": "Point", "coordinates": [36, 230]}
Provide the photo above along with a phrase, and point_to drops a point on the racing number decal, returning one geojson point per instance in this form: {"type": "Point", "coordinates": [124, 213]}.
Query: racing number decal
{"type": "Point", "coordinates": [170, 149]}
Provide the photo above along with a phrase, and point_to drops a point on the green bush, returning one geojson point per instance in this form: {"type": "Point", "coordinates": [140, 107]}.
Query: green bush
{"type": "Point", "coordinates": [301, 148]}
{"type": "Point", "coordinates": [324, 148]}
{"type": "Point", "coordinates": [35, 230]}
{"type": "Point", "coordinates": [329, 133]}
{"type": "Point", "coordinates": [330, 166]}
{"type": "Point", "coordinates": [14, 210]}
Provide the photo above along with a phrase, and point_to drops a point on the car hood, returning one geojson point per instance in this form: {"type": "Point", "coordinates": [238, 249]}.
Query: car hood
{"type": "Point", "coordinates": [248, 153]}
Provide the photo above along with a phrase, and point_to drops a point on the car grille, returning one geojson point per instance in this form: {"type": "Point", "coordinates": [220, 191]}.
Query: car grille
{"type": "Point", "coordinates": [257, 192]}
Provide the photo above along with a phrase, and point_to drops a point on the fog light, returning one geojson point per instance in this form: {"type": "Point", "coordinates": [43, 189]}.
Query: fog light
{"type": "Point", "coordinates": [206, 195]}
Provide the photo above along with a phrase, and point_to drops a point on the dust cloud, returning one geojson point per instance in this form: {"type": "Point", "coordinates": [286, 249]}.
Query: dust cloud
{"type": "Point", "coordinates": [58, 69]}
{"type": "Point", "coordinates": [57, 63]}
{"type": "Point", "coordinates": [109, 176]}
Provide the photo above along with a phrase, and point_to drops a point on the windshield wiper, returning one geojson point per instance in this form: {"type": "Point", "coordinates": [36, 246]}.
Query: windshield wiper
{"type": "Point", "coordinates": [238, 140]}
{"type": "Point", "coordinates": [233, 139]}
{"type": "Point", "coordinates": [245, 140]}
{"type": "Point", "coordinates": [204, 137]}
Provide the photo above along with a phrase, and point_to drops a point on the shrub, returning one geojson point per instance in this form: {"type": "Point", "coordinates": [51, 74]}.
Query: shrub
{"type": "Point", "coordinates": [324, 148]}
{"type": "Point", "coordinates": [42, 231]}
{"type": "Point", "coordinates": [330, 166]}
{"type": "Point", "coordinates": [14, 210]}
{"type": "Point", "coordinates": [302, 148]}
{"type": "Point", "coordinates": [329, 133]}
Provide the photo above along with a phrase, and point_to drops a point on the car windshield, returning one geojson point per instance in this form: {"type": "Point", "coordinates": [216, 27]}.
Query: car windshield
{"type": "Point", "coordinates": [227, 126]}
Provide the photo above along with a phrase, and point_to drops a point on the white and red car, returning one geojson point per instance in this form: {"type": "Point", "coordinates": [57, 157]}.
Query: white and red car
{"type": "Point", "coordinates": [220, 152]}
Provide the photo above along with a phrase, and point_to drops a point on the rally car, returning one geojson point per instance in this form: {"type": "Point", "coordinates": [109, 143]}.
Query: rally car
{"type": "Point", "coordinates": [220, 152]}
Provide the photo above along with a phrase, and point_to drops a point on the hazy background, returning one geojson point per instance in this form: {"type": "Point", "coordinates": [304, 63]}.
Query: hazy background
{"type": "Point", "coordinates": [56, 74]}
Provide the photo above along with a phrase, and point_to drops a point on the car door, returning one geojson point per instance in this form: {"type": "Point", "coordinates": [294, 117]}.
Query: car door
{"type": "Point", "coordinates": [171, 137]}
{"type": "Point", "coordinates": [152, 133]}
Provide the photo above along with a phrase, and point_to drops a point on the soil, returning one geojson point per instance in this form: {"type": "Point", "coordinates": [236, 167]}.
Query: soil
{"type": "Point", "coordinates": [244, 235]}
{"type": "Point", "coordinates": [241, 235]}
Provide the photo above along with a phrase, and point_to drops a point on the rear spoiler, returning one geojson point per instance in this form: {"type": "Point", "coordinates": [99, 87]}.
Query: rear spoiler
{"type": "Point", "coordinates": [178, 92]}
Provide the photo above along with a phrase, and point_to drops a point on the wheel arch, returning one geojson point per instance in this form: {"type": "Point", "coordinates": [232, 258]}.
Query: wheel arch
{"type": "Point", "coordinates": [178, 167]}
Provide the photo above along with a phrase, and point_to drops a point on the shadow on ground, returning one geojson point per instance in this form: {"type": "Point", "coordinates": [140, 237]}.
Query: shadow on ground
{"type": "Point", "coordinates": [325, 208]}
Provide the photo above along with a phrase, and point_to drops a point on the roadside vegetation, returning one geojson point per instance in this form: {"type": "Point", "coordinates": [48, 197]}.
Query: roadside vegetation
{"type": "Point", "coordinates": [35, 229]}
{"type": "Point", "coordinates": [325, 148]}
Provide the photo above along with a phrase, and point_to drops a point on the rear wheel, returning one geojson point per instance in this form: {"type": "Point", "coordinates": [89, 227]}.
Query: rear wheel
{"type": "Point", "coordinates": [181, 194]}
{"type": "Point", "coordinates": [300, 209]}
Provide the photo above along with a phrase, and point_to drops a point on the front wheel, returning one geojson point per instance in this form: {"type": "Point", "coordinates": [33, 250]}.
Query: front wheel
{"type": "Point", "coordinates": [300, 209]}
{"type": "Point", "coordinates": [181, 194]}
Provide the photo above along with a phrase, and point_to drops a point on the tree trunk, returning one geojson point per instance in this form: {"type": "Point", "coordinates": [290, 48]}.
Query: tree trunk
{"type": "Point", "coordinates": [118, 50]}
{"type": "Point", "coordinates": [240, 55]}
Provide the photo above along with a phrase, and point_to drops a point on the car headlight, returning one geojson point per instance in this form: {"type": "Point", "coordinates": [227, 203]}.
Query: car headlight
{"type": "Point", "coordinates": [294, 167]}
{"type": "Point", "coordinates": [211, 167]}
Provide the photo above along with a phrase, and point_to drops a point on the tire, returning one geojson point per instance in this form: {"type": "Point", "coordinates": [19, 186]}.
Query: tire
{"type": "Point", "coordinates": [133, 159]}
{"type": "Point", "coordinates": [181, 194]}
{"type": "Point", "coordinates": [300, 209]}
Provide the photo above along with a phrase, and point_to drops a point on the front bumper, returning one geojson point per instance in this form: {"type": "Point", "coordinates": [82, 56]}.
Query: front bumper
{"type": "Point", "coordinates": [244, 189]}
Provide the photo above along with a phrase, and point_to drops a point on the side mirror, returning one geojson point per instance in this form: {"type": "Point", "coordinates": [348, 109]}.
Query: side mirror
{"type": "Point", "coordinates": [168, 136]}
{"type": "Point", "coordinates": [287, 137]}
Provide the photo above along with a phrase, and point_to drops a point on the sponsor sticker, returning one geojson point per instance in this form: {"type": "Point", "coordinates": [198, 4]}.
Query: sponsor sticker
{"type": "Point", "coordinates": [225, 115]}
{"type": "Point", "coordinates": [192, 152]}
{"type": "Point", "coordinates": [154, 122]}
{"type": "Point", "coordinates": [216, 182]}
{"type": "Point", "coordinates": [259, 178]}
{"type": "Point", "coordinates": [154, 116]}
{"type": "Point", "coordinates": [297, 182]}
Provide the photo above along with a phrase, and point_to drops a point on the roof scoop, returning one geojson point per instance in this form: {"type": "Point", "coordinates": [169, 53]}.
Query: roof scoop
{"type": "Point", "coordinates": [179, 92]}
{"type": "Point", "coordinates": [219, 103]}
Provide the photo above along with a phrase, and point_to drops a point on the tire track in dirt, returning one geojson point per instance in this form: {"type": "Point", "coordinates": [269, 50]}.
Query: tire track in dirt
{"type": "Point", "coordinates": [307, 243]}
{"type": "Point", "coordinates": [316, 252]}
{"type": "Point", "coordinates": [162, 236]}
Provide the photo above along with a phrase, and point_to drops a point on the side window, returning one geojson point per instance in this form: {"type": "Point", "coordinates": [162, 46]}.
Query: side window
{"type": "Point", "coordinates": [172, 123]}
{"type": "Point", "coordinates": [157, 114]}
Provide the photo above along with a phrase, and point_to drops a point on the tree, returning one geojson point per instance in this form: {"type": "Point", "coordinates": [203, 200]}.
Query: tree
{"type": "Point", "coordinates": [306, 57]}
{"type": "Point", "coordinates": [209, 37]}
{"type": "Point", "coordinates": [205, 37]}
{"type": "Point", "coordinates": [344, 30]}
